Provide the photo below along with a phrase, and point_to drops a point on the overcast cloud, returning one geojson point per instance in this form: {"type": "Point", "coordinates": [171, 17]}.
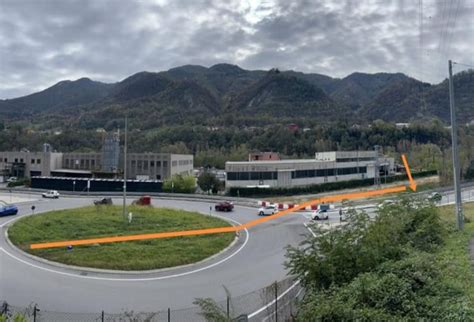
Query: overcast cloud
{"type": "Point", "coordinates": [45, 41]}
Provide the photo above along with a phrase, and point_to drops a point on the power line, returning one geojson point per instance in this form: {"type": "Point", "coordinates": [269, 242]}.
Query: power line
{"type": "Point", "coordinates": [462, 64]}
{"type": "Point", "coordinates": [451, 31]}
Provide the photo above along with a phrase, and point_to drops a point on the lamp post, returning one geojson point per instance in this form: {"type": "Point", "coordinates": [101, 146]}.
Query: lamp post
{"type": "Point", "coordinates": [124, 210]}
{"type": "Point", "coordinates": [454, 138]}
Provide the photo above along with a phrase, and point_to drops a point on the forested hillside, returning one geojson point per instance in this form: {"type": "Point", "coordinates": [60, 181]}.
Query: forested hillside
{"type": "Point", "coordinates": [224, 94]}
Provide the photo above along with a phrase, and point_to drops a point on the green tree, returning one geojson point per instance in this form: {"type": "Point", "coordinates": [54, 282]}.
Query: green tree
{"type": "Point", "coordinates": [207, 181]}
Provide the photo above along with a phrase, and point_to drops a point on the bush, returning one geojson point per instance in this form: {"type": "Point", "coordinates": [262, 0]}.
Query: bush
{"type": "Point", "coordinates": [398, 290]}
{"type": "Point", "coordinates": [19, 182]}
{"type": "Point", "coordinates": [338, 256]}
{"type": "Point", "coordinates": [380, 270]}
{"type": "Point", "coordinates": [180, 184]}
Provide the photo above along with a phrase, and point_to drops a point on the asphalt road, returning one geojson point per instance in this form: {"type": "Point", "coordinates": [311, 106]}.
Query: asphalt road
{"type": "Point", "coordinates": [254, 262]}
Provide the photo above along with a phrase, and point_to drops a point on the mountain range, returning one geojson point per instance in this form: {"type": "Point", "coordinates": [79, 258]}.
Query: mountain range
{"type": "Point", "coordinates": [193, 94]}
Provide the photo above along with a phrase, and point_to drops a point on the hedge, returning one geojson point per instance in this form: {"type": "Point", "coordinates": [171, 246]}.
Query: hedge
{"type": "Point", "coordinates": [19, 182]}
{"type": "Point", "coordinates": [318, 188]}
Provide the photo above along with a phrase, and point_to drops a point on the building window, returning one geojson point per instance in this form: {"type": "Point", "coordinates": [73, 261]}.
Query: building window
{"type": "Point", "coordinates": [158, 164]}
{"type": "Point", "coordinates": [21, 160]}
{"type": "Point", "coordinates": [254, 175]}
{"type": "Point", "coordinates": [32, 161]}
{"type": "Point", "coordinates": [165, 164]}
{"type": "Point", "coordinates": [16, 160]}
{"type": "Point", "coordinates": [92, 163]}
{"type": "Point", "coordinates": [152, 164]}
{"type": "Point", "coordinates": [38, 161]}
{"type": "Point", "coordinates": [174, 163]}
{"type": "Point", "coordinates": [6, 160]}
{"type": "Point", "coordinates": [134, 163]}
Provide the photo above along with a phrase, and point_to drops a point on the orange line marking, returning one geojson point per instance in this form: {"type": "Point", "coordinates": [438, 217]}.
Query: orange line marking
{"type": "Point", "coordinates": [407, 168]}
{"type": "Point", "coordinates": [355, 195]}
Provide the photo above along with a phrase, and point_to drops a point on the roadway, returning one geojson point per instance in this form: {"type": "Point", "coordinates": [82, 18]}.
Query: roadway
{"type": "Point", "coordinates": [253, 262]}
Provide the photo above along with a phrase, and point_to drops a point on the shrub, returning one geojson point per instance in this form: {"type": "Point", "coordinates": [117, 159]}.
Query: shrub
{"type": "Point", "coordinates": [180, 184]}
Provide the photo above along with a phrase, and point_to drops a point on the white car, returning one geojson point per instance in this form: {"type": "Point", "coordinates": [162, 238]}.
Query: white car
{"type": "Point", "coordinates": [268, 210]}
{"type": "Point", "coordinates": [323, 214]}
{"type": "Point", "coordinates": [51, 194]}
{"type": "Point", "coordinates": [320, 214]}
{"type": "Point", "coordinates": [12, 179]}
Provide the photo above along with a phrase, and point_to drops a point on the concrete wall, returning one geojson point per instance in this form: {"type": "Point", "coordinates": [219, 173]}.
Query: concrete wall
{"type": "Point", "coordinates": [182, 164]}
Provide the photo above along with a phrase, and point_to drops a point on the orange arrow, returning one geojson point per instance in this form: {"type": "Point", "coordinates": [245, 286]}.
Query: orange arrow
{"type": "Point", "coordinates": [407, 168]}
{"type": "Point", "coordinates": [102, 240]}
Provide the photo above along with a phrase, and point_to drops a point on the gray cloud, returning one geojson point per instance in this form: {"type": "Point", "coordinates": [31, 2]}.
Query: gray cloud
{"type": "Point", "coordinates": [45, 41]}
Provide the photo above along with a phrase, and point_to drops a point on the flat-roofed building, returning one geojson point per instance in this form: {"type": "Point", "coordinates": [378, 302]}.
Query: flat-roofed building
{"type": "Point", "coordinates": [27, 164]}
{"type": "Point", "coordinates": [153, 166]}
{"type": "Point", "coordinates": [325, 167]}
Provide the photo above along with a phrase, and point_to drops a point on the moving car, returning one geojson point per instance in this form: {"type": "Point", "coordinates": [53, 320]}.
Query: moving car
{"type": "Point", "coordinates": [224, 206]}
{"type": "Point", "coordinates": [7, 209]}
{"type": "Point", "coordinates": [142, 201]}
{"type": "Point", "coordinates": [435, 197]}
{"type": "Point", "coordinates": [320, 214]}
{"type": "Point", "coordinates": [268, 210]}
{"type": "Point", "coordinates": [103, 201]}
{"type": "Point", "coordinates": [51, 194]}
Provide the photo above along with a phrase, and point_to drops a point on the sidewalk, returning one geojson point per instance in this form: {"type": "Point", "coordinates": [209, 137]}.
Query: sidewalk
{"type": "Point", "coordinates": [14, 198]}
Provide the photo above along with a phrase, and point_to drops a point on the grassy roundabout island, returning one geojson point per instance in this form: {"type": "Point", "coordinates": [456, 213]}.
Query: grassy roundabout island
{"type": "Point", "coordinates": [104, 221]}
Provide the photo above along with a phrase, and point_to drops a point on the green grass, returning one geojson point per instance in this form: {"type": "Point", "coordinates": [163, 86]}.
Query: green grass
{"type": "Point", "coordinates": [103, 221]}
{"type": "Point", "coordinates": [454, 256]}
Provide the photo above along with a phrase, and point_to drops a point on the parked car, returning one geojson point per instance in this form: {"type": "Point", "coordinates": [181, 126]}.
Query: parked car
{"type": "Point", "coordinates": [435, 197]}
{"type": "Point", "coordinates": [268, 210]}
{"type": "Point", "coordinates": [224, 206]}
{"type": "Point", "coordinates": [103, 201]}
{"type": "Point", "coordinates": [51, 194]}
{"type": "Point", "coordinates": [12, 179]}
{"type": "Point", "coordinates": [7, 209]}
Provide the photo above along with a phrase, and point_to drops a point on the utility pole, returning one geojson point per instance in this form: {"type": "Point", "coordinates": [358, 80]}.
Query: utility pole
{"type": "Point", "coordinates": [125, 171]}
{"type": "Point", "coordinates": [377, 166]}
{"type": "Point", "coordinates": [454, 139]}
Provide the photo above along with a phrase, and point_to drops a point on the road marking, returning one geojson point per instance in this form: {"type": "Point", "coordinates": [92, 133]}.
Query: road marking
{"type": "Point", "coordinates": [247, 236]}
{"type": "Point", "coordinates": [407, 169]}
{"type": "Point", "coordinates": [9, 221]}
{"type": "Point", "coordinates": [310, 230]}
{"type": "Point", "coordinates": [251, 315]}
{"type": "Point", "coordinates": [326, 199]}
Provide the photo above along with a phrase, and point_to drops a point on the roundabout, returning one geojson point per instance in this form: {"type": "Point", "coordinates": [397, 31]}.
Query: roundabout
{"type": "Point", "coordinates": [99, 221]}
{"type": "Point", "coordinates": [253, 261]}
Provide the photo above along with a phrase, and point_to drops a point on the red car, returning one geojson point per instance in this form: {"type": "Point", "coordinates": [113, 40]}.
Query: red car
{"type": "Point", "coordinates": [224, 206]}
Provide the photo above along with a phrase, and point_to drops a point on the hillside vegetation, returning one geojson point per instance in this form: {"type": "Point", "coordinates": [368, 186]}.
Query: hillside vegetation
{"type": "Point", "coordinates": [199, 95]}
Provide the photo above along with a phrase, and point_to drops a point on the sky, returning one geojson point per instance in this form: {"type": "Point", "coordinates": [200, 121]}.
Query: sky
{"type": "Point", "coordinates": [45, 41]}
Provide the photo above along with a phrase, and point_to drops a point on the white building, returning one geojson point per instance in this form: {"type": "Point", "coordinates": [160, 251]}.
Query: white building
{"type": "Point", "coordinates": [325, 167]}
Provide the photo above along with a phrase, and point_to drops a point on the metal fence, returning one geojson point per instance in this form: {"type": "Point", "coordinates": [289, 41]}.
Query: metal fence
{"type": "Point", "coordinates": [275, 303]}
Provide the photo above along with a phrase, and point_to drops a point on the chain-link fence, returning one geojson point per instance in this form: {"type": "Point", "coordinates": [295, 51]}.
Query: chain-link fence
{"type": "Point", "coordinates": [275, 303]}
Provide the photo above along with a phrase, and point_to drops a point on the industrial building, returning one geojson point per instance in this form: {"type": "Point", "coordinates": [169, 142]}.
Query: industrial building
{"type": "Point", "coordinates": [105, 164]}
{"type": "Point", "coordinates": [325, 167]}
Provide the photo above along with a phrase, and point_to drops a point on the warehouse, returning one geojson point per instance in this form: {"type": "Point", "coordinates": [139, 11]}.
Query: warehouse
{"type": "Point", "coordinates": [325, 167]}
